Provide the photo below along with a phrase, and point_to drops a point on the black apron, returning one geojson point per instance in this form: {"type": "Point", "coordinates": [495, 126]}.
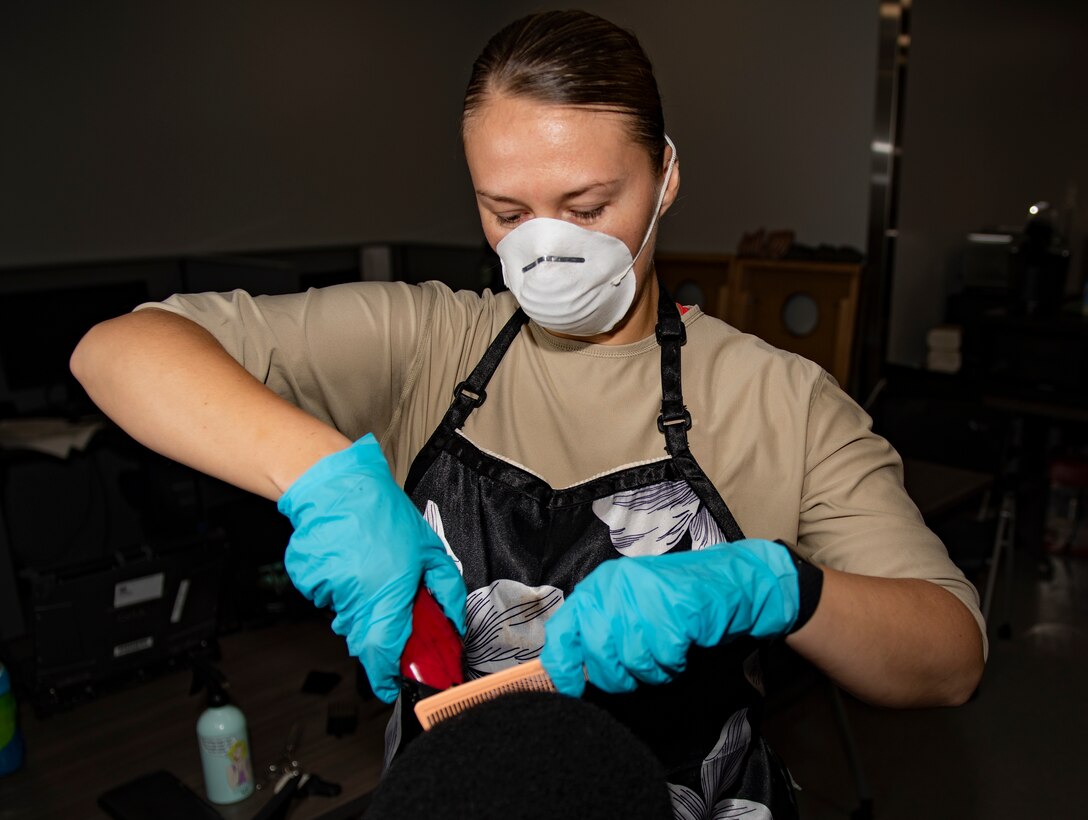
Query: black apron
{"type": "Point", "coordinates": [522, 546]}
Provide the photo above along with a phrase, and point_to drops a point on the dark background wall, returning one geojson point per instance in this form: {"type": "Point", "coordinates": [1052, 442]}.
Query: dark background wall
{"type": "Point", "coordinates": [143, 129]}
{"type": "Point", "coordinates": [146, 130]}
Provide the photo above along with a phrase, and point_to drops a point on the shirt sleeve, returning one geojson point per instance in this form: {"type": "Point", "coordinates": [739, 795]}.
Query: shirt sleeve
{"type": "Point", "coordinates": [341, 353]}
{"type": "Point", "coordinates": [855, 514]}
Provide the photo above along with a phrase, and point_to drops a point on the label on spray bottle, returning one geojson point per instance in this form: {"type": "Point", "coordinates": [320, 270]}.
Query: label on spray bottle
{"type": "Point", "coordinates": [224, 755]}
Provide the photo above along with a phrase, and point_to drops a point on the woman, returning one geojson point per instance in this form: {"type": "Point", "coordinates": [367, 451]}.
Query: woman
{"type": "Point", "coordinates": [573, 438]}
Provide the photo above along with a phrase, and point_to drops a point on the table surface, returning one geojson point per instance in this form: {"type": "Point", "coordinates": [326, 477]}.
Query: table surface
{"type": "Point", "coordinates": [75, 755]}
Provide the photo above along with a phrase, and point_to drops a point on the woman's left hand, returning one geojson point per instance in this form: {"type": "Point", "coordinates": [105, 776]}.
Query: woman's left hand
{"type": "Point", "coordinates": [634, 619]}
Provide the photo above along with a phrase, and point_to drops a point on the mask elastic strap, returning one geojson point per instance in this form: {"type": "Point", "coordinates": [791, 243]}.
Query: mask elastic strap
{"type": "Point", "coordinates": [657, 211]}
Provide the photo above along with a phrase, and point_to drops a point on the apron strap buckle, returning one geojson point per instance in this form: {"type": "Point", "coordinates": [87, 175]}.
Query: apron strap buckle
{"type": "Point", "coordinates": [664, 334]}
{"type": "Point", "coordinates": [465, 392]}
{"type": "Point", "coordinates": [673, 419]}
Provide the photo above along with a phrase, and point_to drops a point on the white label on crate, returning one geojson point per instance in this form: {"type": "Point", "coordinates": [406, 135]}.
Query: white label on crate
{"type": "Point", "coordinates": [179, 601]}
{"type": "Point", "coordinates": [138, 645]}
{"type": "Point", "coordinates": [138, 590]}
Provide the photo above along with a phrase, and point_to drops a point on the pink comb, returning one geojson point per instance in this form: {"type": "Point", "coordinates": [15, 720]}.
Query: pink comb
{"type": "Point", "coordinates": [528, 677]}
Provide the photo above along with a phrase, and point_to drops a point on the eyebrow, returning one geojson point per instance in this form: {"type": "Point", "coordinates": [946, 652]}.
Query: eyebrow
{"type": "Point", "coordinates": [569, 195]}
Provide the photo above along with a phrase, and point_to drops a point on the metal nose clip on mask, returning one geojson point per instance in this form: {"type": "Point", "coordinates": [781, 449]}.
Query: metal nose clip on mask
{"type": "Point", "coordinates": [569, 279]}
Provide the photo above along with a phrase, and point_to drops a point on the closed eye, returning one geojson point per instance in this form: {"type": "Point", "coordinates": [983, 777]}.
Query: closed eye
{"type": "Point", "coordinates": [588, 216]}
{"type": "Point", "coordinates": [508, 220]}
{"type": "Point", "coordinates": [511, 220]}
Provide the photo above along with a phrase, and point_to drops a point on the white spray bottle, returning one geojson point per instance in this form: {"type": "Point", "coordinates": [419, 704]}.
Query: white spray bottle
{"type": "Point", "coordinates": [223, 740]}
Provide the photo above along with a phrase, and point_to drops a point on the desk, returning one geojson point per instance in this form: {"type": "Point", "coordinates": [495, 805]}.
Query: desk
{"type": "Point", "coordinates": [74, 756]}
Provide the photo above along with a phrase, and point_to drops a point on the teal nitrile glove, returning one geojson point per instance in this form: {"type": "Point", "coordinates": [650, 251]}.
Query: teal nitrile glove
{"type": "Point", "coordinates": [361, 547]}
{"type": "Point", "coordinates": [634, 619]}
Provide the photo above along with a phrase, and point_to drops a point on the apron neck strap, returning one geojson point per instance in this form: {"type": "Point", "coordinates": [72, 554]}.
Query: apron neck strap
{"type": "Point", "coordinates": [471, 393]}
{"type": "Point", "coordinates": [675, 420]}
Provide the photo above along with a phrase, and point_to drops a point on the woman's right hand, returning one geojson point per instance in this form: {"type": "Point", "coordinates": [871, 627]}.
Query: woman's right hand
{"type": "Point", "coordinates": [361, 547]}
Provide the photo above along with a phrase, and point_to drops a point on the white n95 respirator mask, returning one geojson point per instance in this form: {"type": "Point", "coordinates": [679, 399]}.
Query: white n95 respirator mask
{"type": "Point", "coordinates": [569, 279]}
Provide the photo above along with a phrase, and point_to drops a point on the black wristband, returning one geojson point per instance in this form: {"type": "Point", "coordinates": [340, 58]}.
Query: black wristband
{"type": "Point", "coordinates": [810, 583]}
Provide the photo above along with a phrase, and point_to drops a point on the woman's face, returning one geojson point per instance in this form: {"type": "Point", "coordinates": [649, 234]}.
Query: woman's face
{"type": "Point", "coordinates": [530, 159]}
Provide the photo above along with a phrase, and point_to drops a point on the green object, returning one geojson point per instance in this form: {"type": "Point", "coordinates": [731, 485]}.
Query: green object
{"type": "Point", "coordinates": [11, 741]}
{"type": "Point", "coordinates": [7, 708]}
{"type": "Point", "coordinates": [7, 718]}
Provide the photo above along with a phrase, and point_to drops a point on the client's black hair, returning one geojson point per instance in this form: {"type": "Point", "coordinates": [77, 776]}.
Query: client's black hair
{"type": "Point", "coordinates": [525, 755]}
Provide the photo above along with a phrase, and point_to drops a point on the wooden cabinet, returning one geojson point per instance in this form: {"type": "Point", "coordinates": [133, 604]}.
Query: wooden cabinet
{"type": "Point", "coordinates": [808, 308]}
